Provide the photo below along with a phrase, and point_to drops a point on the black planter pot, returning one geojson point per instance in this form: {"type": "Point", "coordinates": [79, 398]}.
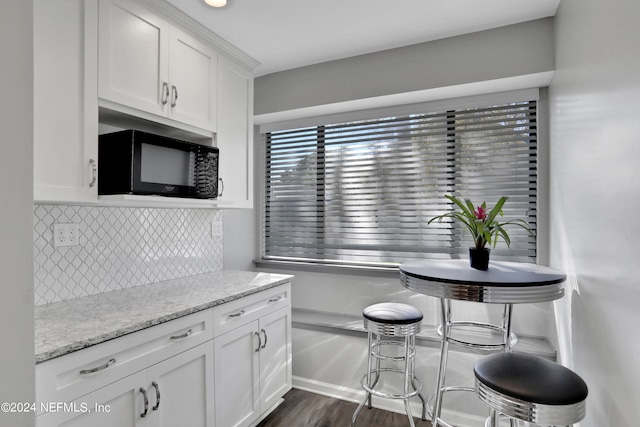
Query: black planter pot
{"type": "Point", "coordinates": [479, 258]}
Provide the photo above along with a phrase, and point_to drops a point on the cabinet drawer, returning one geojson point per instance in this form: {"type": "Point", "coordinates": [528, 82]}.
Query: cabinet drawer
{"type": "Point", "coordinates": [234, 314]}
{"type": "Point", "coordinates": [71, 376]}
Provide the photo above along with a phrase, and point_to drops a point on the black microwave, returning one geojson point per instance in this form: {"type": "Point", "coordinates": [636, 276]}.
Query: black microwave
{"type": "Point", "coordinates": [136, 162]}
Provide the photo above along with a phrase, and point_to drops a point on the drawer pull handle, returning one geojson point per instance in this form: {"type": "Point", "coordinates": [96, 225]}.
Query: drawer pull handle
{"type": "Point", "coordinates": [238, 314]}
{"type": "Point", "coordinates": [278, 298]}
{"type": "Point", "coordinates": [179, 337]}
{"type": "Point", "coordinates": [98, 368]}
{"type": "Point", "coordinates": [265, 339]}
{"type": "Point", "coordinates": [157, 387]}
{"type": "Point", "coordinates": [257, 334]}
{"type": "Point", "coordinates": [146, 402]}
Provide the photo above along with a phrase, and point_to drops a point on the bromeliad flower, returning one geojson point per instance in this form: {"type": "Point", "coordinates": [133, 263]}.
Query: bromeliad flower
{"type": "Point", "coordinates": [481, 213]}
{"type": "Point", "coordinates": [482, 224]}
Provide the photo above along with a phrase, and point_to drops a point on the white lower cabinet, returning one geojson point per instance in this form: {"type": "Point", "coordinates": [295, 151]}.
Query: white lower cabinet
{"type": "Point", "coordinates": [253, 369]}
{"type": "Point", "coordinates": [228, 366]}
{"type": "Point", "coordinates": [166, 394]}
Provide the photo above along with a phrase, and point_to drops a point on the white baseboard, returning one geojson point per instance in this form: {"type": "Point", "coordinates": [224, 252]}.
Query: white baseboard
{"type": "Point", "coordinates": [458, 419]}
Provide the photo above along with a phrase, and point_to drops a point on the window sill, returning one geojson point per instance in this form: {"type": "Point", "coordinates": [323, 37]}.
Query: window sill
{"type": "Point", "coordinates": [390, 272]}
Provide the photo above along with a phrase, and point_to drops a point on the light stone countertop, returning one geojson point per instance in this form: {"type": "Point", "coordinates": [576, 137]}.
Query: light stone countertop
{"type": "Point", "coordinates": [67, 326]}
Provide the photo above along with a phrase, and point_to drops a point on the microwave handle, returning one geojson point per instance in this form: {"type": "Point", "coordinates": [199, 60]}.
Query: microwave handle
{"type": "Point", "coordinates": [221, 187]}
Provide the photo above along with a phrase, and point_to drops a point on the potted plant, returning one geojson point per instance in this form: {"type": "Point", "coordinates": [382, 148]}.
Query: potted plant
{"type": "Point", "coordinates": [483, 226]}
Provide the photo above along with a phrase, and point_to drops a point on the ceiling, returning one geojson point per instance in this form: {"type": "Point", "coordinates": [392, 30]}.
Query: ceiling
{"type": "Point", "coordinates": [285, 34]}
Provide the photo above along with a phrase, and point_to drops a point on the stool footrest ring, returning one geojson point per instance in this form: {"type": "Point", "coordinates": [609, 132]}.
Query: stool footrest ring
{"type": "Point", "coordinates": [441, 422]}
{"type": "Point", "coordinates": [415, 383]}
{"type": "Point", "coordinates": [375, 351]}
{"type": "Point", "coordinates": [513, 338]}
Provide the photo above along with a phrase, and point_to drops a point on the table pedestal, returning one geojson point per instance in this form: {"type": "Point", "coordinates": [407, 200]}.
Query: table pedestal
{"type": "Point", "coordinates": [445, 330]}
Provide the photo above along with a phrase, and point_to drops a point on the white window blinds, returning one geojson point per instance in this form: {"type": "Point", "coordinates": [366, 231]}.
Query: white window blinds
{"type": "Point", "coordinates": [362, 192]}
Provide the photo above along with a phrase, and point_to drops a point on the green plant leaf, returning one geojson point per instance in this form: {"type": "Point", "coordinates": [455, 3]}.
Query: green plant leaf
{"type": "Point", "coordinates": [497, 209]}
{"type": "Point", "coordinates": [468, 213]}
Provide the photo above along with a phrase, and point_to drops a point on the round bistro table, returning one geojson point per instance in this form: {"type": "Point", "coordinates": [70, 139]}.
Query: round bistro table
{"type": "Point", "coordinates": [504, 283]}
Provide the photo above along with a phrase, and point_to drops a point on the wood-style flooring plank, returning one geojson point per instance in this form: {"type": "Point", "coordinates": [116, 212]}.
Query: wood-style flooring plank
{"type": "Point", "coordinates": [305, 409]}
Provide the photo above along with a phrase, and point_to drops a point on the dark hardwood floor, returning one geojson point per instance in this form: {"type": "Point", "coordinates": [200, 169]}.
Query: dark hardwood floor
{"type": "Point", "coordinates": [302, 408]}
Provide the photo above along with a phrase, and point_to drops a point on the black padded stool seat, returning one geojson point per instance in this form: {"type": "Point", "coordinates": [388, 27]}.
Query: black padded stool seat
{"type": "Point", "coordinates": [530, 388]}
{"type": "Point", "coordinates": [392, 313]}
{"type": "Point", "coordinates": [531, 378]}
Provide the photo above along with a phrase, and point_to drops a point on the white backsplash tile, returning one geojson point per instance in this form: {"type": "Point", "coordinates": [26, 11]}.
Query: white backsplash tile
{"type": "Point", "coordinates": [120, 248]}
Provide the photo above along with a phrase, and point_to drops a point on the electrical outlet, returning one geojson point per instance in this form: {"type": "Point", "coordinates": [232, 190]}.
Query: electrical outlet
{"type": "Point", "coordinates": [66, 235]}
{"type": "Point", "coordinates": [216, 229]}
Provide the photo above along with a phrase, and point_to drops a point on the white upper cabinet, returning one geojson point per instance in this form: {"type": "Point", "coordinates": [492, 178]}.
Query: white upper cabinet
{"type": "Point", "coordinates": [235, 134]}
{"type": "Point", "coordinates": [126, 64]}
{"type": "Point", "coordinates": [148, 65]}
{"type": "Point", "coordinates": [192, 75]}
{"type": "Point", "coordinates": [65, 104]}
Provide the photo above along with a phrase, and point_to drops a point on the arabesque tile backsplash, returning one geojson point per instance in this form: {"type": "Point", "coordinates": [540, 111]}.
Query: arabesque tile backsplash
{"type": "Point", "coordinates": [121, 247]}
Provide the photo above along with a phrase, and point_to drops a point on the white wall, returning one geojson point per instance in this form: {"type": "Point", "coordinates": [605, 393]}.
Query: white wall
{"type": "Point", "coordinates": [16, 193]}
{"type": "Point", "coordinates": [595, 198]}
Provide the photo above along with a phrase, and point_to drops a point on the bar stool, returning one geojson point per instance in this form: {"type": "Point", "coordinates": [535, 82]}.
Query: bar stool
{"type": "Point", "coordinates": [530, 388]}
{"type": "Point", "coordinates": [390, 321]}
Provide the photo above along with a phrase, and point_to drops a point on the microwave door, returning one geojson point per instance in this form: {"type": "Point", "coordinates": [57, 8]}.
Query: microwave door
{"type": "Point", "coordinates": [165, 171]}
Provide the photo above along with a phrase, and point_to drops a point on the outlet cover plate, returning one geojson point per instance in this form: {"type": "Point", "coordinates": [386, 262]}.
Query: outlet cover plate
{"type": "Point", "coordinates": [216, 229]}
{"type": "Point", "coordinates": [66, 235]}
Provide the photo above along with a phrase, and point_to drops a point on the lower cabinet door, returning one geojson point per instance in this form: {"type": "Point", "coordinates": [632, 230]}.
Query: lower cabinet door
{"type": "Point", "coordinates": [175, 392]}
{"type": "Point", "coordinates": [180, 389]}
{"type": "Point", "coordinates": [237, 376]}
{"type": "Point", "coordinates": [275, 357]}
{"type": "Point", "coordinates": [119, 404]}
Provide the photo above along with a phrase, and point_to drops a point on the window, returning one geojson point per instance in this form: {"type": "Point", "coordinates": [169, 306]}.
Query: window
{"type": "Point", "coordinates": [361, 192]}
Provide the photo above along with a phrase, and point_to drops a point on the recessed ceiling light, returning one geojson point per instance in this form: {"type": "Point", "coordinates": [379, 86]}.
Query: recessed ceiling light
{"type": "Point", "coordinates": [216, 3]}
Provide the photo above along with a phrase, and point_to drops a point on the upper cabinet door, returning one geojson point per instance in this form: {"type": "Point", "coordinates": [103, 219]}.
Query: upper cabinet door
{"type": "Point", "coordinates": [235, 134]}
{"type": "Point", "coordinates": [193, 80]}
{"type": "Point", "coordinates": [65, 151]}
{"type": "Point", "coordinates": [133, 52]}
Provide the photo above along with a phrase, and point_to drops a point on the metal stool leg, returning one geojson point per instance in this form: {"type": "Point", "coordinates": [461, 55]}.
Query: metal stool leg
{"type": "Point", "coordinates": [414, 380]}
{"type": "Point", "coordinates": [445, 316]}
{"type": "Point", "coordinates": [367, 395]}
{"type": "Point", "coordinates": [408, 377]}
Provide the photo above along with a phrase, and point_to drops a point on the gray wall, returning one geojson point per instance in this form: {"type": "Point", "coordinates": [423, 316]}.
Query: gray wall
{"type": "Point", "coordinates": [595, 195]}
{"type": "Point", "coordinates": [514, 50]}
{"type": "Point", "coordinates": [16, 192]}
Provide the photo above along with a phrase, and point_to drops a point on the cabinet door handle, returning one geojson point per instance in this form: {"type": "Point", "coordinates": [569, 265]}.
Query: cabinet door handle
{"type": "Point", "coordinates": [98, 368]}
{"type": "Point", "coordinates": [179, 337]}
{"type": "Point", "coordinates": [174, 96]}
{"type": "Point", "coordinates": [238, 314]}
{"type": "Point", "coordinates": [265, 339]}
{"type": "Point", "coordinates": [278, 298]}
{"type": "Point", "coordinates": [165, 90]}
{"type": "Point", "coordinates": [157, 387]}
{"type": "Point", "coordinates": [146, 402]}
{"type": "Point", "coordinates": [94, 172]}
{"type": "Point", "coordinates": [221, 187]}
{"type": "Point", "coordinates": [257, 334]}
